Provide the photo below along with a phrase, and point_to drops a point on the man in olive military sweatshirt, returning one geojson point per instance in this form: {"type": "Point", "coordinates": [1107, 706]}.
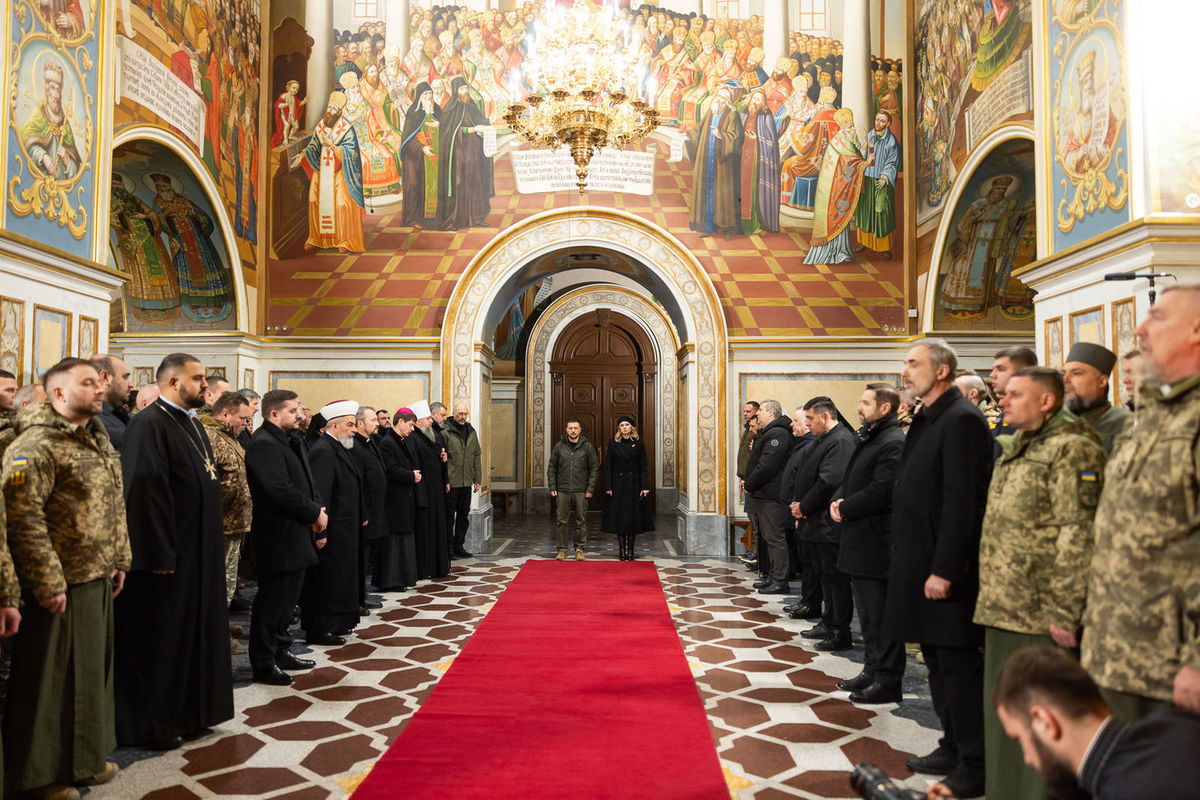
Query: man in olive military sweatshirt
{"type": "Point", "coordinates": [572, 474]}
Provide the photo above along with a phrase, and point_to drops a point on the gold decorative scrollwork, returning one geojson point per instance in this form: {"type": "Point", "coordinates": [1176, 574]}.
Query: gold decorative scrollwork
{"type": "Point", "coordinates": [1093, 190]}
{"type": "Point", "coordinates": [48, 197]}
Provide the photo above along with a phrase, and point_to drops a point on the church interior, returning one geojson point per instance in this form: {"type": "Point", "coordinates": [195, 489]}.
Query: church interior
{"type": "Point", "coordinates": [392, 200]}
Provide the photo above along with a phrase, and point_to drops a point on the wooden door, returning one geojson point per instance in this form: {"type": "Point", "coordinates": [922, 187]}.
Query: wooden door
{"type": "Point", "coordinates": [603, 368]}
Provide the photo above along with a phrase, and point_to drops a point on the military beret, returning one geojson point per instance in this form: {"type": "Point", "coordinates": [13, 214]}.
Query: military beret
{"type": "Point", "coordinates": [1093, 355]}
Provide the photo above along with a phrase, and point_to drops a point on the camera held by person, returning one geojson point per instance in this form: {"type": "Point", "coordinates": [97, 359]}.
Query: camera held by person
{"type": "Point", "coordinates": [872, 783]}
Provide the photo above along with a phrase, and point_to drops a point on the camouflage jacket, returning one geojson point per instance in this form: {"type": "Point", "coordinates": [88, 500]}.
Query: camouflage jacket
{"type": "Point", "coordinates": [1036, 545]}
{"type": "Point", "coordinates": [1143, 609]}
{"type": "Point", "coordinates": [1108, 421]}
{"type": "Point", "coordinates": [66, 506]}
{"type": "Point", "coordinates": [10, 590]}
{"type": "Point", "coordinates": [231, 467]}
{"type": "Point", "coordinates": [905, 421]}
{"type": "Point", "coordinates": [991, 411]}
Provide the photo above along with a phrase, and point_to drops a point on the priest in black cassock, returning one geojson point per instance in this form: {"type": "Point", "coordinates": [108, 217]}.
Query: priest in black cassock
{"type": "Point", "coordinates": [369, 459]}
{"type": "Point", "coordinates": [173, 673]}
{"type": "Point", "coordinates": [433, 546]}
{"type": "Point", "coordinates": [329, 602]}
{"type": "Point", "coordinates": [396, 558]}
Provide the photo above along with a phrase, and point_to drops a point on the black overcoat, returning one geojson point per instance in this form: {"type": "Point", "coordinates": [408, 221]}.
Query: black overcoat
{"type": "Point", "coordinates": [285, 501]}
{"type": "Point", "coordinates": [367, 456]}
{"type": "Point", "coordinates": [625, 475]}
{"type": "Point", "coordinates": [173, 674]}
{"type": "Point", "coordinates": [399, 463]}
{"type": "Point", "coordinates": [866, 495]}
{"type": "Point", "coordinates": [331, 586]}
{"type": "Point", "coordinates": [821, 472]}
{"type": "Point", "coordinates": [937, 514]}
{"type": "Point", "coordinates": [432, 544]}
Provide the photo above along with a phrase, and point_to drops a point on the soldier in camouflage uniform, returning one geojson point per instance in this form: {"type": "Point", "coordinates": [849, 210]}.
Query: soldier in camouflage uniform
{"type": "Point", "coordinates": [8, 392]}
{"type": "Point", "coordinates": [1086, 374]}
{"type": "Point", "coordinates": [10, 614]}
{"type": "Point", "coordinates": [1141, 636]}
{"type": "Point", "coordinates": [1035, 549]}
{"type": "Point", "coordinates": [66, 529]}
{"type": "Point", "coordinates": [230, 416]}
{"type": "Point", "coordinates": [908, 407]}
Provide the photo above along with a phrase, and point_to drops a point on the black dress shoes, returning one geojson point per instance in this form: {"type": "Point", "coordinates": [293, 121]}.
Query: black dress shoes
{"type": "Point", "coordinates": [804, 611]}
{"type": "Point", "coordinates": [164, 744]}
{"type": "Point", "coordinates": [289, 661]}
{"type": "Point", "coordinates": [462, 553]}
{"type": "Point", "coordinates": [939, 762]}
{"type": "Point", "coordinates": [860, 681]}
{"type": "Point", "coordinates": [275, 677]}
{"type": "Point", "coordinates": [373, 604]}
{"type": "Point", "coordinates": [834, 644]}
{"type": "Point", "coordinates": [820, 631]}
{"type": "Point", "coordinates": [761, 582]}
{"type": "Point", "coordinates": [775, 588]}
{"type": "Point", "coordinates": [325, 639]}
{"type": "Point", "coordinates": [877, 693]}
{"type": "Point", "coordinates": [363, 611]}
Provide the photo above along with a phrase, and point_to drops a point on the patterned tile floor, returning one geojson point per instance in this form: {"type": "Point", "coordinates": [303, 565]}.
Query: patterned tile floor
{"type": "Point", "coordinates": [781, 728]}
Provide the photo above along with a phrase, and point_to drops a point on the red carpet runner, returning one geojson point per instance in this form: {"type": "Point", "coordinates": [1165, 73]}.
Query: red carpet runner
{"type": "Point", "coordinates": [574, 686]}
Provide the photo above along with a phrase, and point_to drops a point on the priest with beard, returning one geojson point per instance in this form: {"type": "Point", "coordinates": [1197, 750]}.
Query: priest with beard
{"type": "Point", "coordinates": [329, 602]}
{"type": "Point", "coordinates": [173, 672]}
{"type": "Point", "coordinates": [396, 557]}
{"type": "Point", "coordinates": [433, 545]}
{"type": "Point", "coordinates": [419, 148]}
{"type": "Point", "coordinates": [465, 185]}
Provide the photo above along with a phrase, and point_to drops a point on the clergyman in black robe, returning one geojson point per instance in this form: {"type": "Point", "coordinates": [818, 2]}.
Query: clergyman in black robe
{"type": "Point", "coordinates": [367, 455]}
{"type": "Point", "coordinates": [329, 602]}
{"type": "Point", "coordinates": [173, 673]}
{"type": "Point", "coordinates": [418, 139]}
{"type": "Point", "coordinates": [433, 545]}
{"type": "Point", "coordinates": [396, 558]}
{"type": "Point", "coordinates": [465, 185]}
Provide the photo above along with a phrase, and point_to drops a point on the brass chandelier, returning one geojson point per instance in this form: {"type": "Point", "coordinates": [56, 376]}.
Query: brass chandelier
{"type": "Point", "coordinates": [583, 66]}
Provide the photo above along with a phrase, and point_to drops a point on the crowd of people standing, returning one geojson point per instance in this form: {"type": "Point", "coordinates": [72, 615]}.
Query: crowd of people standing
{"type": "Point", "coordinates": [1053, 519]}
{"type": "Point", "coordinates": [125, 534]}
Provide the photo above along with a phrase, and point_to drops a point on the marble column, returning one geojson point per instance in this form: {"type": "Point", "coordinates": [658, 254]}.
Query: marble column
{"type": "Point", "coordinates": [318, 21]}
{"type": "Point", "coordinates": [398, 29]}
{"type": "Point", "coordinates": [775, 33]}
{"type": "Point", "coordinates": [856, 65]}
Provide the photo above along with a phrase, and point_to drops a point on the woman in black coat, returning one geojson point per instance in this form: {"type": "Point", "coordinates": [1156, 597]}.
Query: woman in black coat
{"type": "Point", "coordinates": [625, 474]}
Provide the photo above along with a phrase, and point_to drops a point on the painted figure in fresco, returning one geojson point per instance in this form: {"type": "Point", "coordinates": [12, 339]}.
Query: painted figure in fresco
{"type": "Point", "coordinates": [985, 238]}
{"type": "Point", "coordinates": [65, 17]}
{"type": "Point", "coordinates": [465, 185]}
{"type": "Point", "coordinates": [1001, 39]}
{"type": "Point", "coordinates": [760, 168]}
{"type": "Point", "coordinates": [875, 216]}
{"type": "Point", "coordinates": [245, 164]}
{"type": "Point", "coordinates": [380, 174]}
{"type": "Point", "coordinates": [47, 133]}
{"type": "Point", "coordinates": [809, 143]}
{"type": "Point", "coordinates": [779, 86]}
{"type": "Point", "coordinates": [287, 108]}
{"type": "Point", "coordinates": [1090, 123]}
{"type": "Point", "coordinates": [153, 287]}
{"type": "Point", "coordinates": [676, 75]}
{"type": "Point", "coordinates": [335, 189]}
{"type": "Point", "coordinates": [707, 58]}
{"type": "Point", "coordinates": [716, 152]}
{"type": "Point", "coordinates": [838, 188]}
{"type": "Point", "coordinates": [203, 279]}
{"type": "Point", "coordinates": [890, 99]}
{"type": "Point", "coordinates": [420, 149]}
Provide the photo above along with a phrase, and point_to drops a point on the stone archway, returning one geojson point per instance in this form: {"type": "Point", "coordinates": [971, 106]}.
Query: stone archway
{"type": "Point", "coordinates": [657, 325]}
{"type": "Point", "coordinates": [465, 340]}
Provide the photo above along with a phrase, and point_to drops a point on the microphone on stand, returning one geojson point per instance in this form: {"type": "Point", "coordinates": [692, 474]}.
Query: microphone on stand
{"type": "Point", "coordinates": [1132, 276]}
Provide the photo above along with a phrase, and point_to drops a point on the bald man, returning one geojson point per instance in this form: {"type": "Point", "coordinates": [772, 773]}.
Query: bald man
{"type": "Point", "coordinates": [464, 460]}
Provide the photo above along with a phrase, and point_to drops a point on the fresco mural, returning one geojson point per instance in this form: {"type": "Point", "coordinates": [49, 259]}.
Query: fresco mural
{"type": "Point", "coordinates": [992, 233]}
{"type": "Point", "coordinates": [1089, 172]}
{"type": "Point", "coordinates": [52, 143]}
{"type": "Point", "coordinates": [974, 74]}
{"type": "Point", "coordinates": [410, 155]}
{"type": "Point", "coordinates": [212, 47]}
{"type": "Point", "coordinates": [163, 234]}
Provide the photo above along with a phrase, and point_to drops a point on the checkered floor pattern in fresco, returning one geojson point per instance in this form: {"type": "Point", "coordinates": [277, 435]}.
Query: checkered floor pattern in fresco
{"type": "Point", "coordinates": [401, 285]}
{"type": "Point", "coordinates": [780, 726]}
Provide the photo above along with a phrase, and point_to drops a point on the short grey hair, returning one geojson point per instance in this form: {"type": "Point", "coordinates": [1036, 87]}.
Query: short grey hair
{"type": "Point", "coordinates": [363, 412]}
{"type": "Point", "coordinates": [941, 354]}
{"type": "Point", "coordinates": [973, 381]}
{"type": "Point", "coordinates": [249, 394]}
{"type": "Point", "coordinates": [436, 407]}
{"type": "Point", "coordinates": [773, 406]}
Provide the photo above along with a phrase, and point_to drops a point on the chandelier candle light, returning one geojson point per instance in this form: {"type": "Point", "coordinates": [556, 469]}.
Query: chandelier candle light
{"type": "Point", "coordinates": [582, 66]}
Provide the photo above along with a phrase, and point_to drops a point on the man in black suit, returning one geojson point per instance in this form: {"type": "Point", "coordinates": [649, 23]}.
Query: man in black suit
{"type": "Point", "coordinates": [937, 516]}
{"type": "Point", "coordinates": [329, 602]}
{"type": "Point", "coordinates": [862, 512]}
{"type": "Point", "coordinates": [820, 474]}
{"type": "Point", "coordinates": [1049, 703]}
{"type": "Point", "coordinates": [397, 564]}
{"type": "Point", "coordinates": [286, 529]}
{"type": "Point", "coordinates": [367, 456]}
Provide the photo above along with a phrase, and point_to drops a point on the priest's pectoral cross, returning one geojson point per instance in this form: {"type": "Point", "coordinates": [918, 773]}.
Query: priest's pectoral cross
{"type": "Point", "coordinates": [210, 468]}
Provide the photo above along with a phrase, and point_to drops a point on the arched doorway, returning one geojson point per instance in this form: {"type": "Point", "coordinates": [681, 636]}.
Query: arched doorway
{"type": "Point", "coordinates": [603, 367]}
